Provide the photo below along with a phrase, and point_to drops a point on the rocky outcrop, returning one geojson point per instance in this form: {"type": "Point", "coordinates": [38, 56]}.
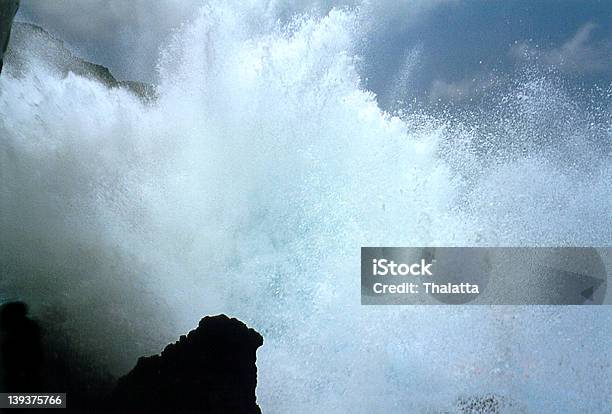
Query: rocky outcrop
{"type": "Point", "coordinates": [210, 370]}
{"type": "Point", "coordinates": [31, 45]}
{"type": "Point", "coordinates": [488, 404]}
{"type": "Point", "coordinates": [21, 350]}
{"type": "Point", "coordinates": [8, 9]}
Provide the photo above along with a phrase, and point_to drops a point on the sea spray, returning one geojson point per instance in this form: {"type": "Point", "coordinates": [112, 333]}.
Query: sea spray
{"type": "Point", "coordinates": [249, 187]}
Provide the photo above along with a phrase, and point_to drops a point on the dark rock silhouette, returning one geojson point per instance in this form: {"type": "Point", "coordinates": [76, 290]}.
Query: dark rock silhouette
{"type": "Point", "coordinates": [21, 349]}
{"type": "Point", "coordinates": [210, 370]}
{"type": "Point", "coordinates": [8, 9]}
{"type": "Point", "coordinates": [35, 360]}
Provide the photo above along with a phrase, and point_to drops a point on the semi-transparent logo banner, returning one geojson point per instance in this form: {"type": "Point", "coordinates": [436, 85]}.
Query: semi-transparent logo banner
{"type": "Point", "coordinates": [485, 275]}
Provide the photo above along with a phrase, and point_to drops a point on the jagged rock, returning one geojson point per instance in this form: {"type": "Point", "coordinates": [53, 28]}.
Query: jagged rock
{"type": "Point", "coordinates": [210, 370]}
{"type": "Point", "coordinates": [41, 359]}
{"type": "Point", "coordinates": [488, 404]}
{"type": "Point", "coordinates": [8, 9]}
{"type": "Point", "coordinates": [21, 350]}
{"type": "Point", "coordinates": [32, 45]}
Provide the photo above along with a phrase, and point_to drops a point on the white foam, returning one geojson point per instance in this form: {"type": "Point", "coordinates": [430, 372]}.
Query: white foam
{"type": "Point", "coordinates": [249, 187]}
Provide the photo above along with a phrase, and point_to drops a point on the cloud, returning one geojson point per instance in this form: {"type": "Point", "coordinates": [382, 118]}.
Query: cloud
{"type": "Point", "coordinates": [457, 91]}
{"type": "Point", "coordinates": [580, 54]}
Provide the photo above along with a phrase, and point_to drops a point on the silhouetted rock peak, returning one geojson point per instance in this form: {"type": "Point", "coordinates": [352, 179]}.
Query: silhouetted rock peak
{"type": "Point", "coordinates": [210, 370]}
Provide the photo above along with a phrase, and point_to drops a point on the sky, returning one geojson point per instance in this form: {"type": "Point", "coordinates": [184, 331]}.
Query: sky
{"type": "Point", "coordinates": [454, 49]}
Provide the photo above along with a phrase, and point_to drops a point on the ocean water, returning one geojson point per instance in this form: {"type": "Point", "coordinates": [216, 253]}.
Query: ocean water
{"type": "Point", "coordinates": [248, 188]}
